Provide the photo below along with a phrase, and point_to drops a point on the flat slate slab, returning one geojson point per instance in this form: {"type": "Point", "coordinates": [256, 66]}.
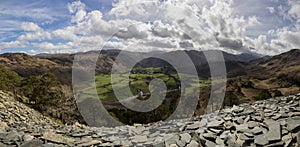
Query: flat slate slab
{"type": "Point", "coordinates": [274, 133]}
{"type": "Point", "coordinates": [261, 140]}
{"type": "Point", "coordinates": [293, 125]}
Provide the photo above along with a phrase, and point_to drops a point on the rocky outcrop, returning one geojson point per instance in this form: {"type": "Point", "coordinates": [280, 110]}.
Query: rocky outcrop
{"type": "Point", "coordinates": [273, 122]}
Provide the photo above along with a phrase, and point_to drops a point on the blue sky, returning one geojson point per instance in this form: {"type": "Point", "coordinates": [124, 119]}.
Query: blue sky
{"type": "Point", "coordinates": [52, 14]}
{"type": "Point", "coordinates": [67, 26]}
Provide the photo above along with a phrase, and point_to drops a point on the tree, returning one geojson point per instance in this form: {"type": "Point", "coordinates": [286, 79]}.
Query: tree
{"type": "Point", "coordinates": [9, 79]}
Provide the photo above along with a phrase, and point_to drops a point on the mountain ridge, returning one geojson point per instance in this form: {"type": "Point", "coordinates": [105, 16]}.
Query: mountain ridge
{"type": "Point", "coordinates": [61, 64]}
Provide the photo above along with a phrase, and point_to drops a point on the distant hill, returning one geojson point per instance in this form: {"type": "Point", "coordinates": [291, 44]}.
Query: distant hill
{"type": "Point", "coordinates": [268, 76]}
{"type": "Point", "coordinates": [287, 63]}
{"type": "Point", "coordinates": [61, 64]}
{"type": "Point", "coordinates": [234, 63]}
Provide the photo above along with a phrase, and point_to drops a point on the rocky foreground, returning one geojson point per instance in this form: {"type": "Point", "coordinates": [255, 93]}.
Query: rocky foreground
{"type": "Point", "coordinates": [274, 122]}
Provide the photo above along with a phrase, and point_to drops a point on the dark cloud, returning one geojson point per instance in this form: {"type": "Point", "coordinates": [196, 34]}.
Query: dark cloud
{"type": "Point", "coordinates": [186, 44]}
{"type": "Point", "coordinates": [230, 44]}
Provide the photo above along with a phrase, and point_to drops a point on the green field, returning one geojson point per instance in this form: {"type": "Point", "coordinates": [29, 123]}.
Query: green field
{"type": "Point", "coordinates": [139, 80]}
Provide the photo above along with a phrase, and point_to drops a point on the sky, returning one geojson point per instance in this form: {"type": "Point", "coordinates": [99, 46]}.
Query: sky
{"type": "Point", "coordinates": [266, 27]}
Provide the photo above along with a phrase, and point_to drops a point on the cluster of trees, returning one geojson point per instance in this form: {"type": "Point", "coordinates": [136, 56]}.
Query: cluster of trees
{"type": "Point", "coordinates": [9, 79]}
{"type": "Point", "coordinates": [42, 91]}
{"type": "Point", "coordinates": [161, 113]}
{"type": "Point", "coordinates": [130, 117]}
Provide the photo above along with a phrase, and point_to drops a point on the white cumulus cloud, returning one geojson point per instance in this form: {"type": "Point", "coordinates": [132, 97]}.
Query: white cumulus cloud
{"type": "Point", "coordinates": [167, 25]}
{"type": "Point", "coordinates": [30, 26]}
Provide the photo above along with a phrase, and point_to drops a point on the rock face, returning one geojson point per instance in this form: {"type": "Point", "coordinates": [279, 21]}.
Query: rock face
{"type": "Point", "coordinates": [273, 122]}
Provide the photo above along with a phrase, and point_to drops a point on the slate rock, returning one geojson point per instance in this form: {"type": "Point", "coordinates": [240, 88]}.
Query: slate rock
{"type": "Point", "coordinates": [12, 136]}
{"type": "Point", "coordinates": [216, 131]}
{"type": "Point", "coordinates": [215, 124]}
{"type": "Point", "coordinates": [242, 128]}
{"type": "Point", "coordinates": [287, 139]}
{"type": "Point", "coordinates": [193, 143]}
{"type": "Point", "coordinates": [274, 133]}
{"type": "Point", "coordinates": [3, 125]}
{"type": "Point", "coordinates": [172, 145]}
{"type": "Point", "coordinates": [2, 145]}
{"type": "Point", "coordinates": [196, 125]}
{"type": "Point", "coordinates": [32, 143]}
{"type": "Point", "coordinates": [224, 135]}
{"type": "Point", "coordinates": [298, 138]}
{"type": "Point", "coordinates": [261, 140]}
{"type": "Point", "coordinates": [138, 130]}
{"type": "Point", "coordinates": [56, 138]}
{"type": "Point", "coordinates": [91, 143]}
{"type": "Point", "coordinates": [27, 137]}
{"type": "Point", "coordinates": [276, 144]}
{"type": "Point", "coordinates": [172, 140]}
{"type": "Point", "coordinates": [219, 141]}
{"type": "Point", "coordinates": [210, 144]}
{"type": "Point", "coordinates": [248, 134]}
{"type": "Point", "coordinates": [252, 124]}
{"type": "Point", "coordinates": [257, 131]}
{"type": "Point", "coordinates": [139, 138]}
{"type": "Point", "coordinates": [237, 109]}
{"type": "Point", "coordinates": [209, 136]}
{"type": "Point", "coordinates": [244, 137]}
{"type": "Point", "coordinates": [50, 145]}
{"type": "Point", "coordinates": [185, 137]}
{"type": "Point", "coordinates": [293, 125]}
{"type": "Point", "coordinates": [80, 134]}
